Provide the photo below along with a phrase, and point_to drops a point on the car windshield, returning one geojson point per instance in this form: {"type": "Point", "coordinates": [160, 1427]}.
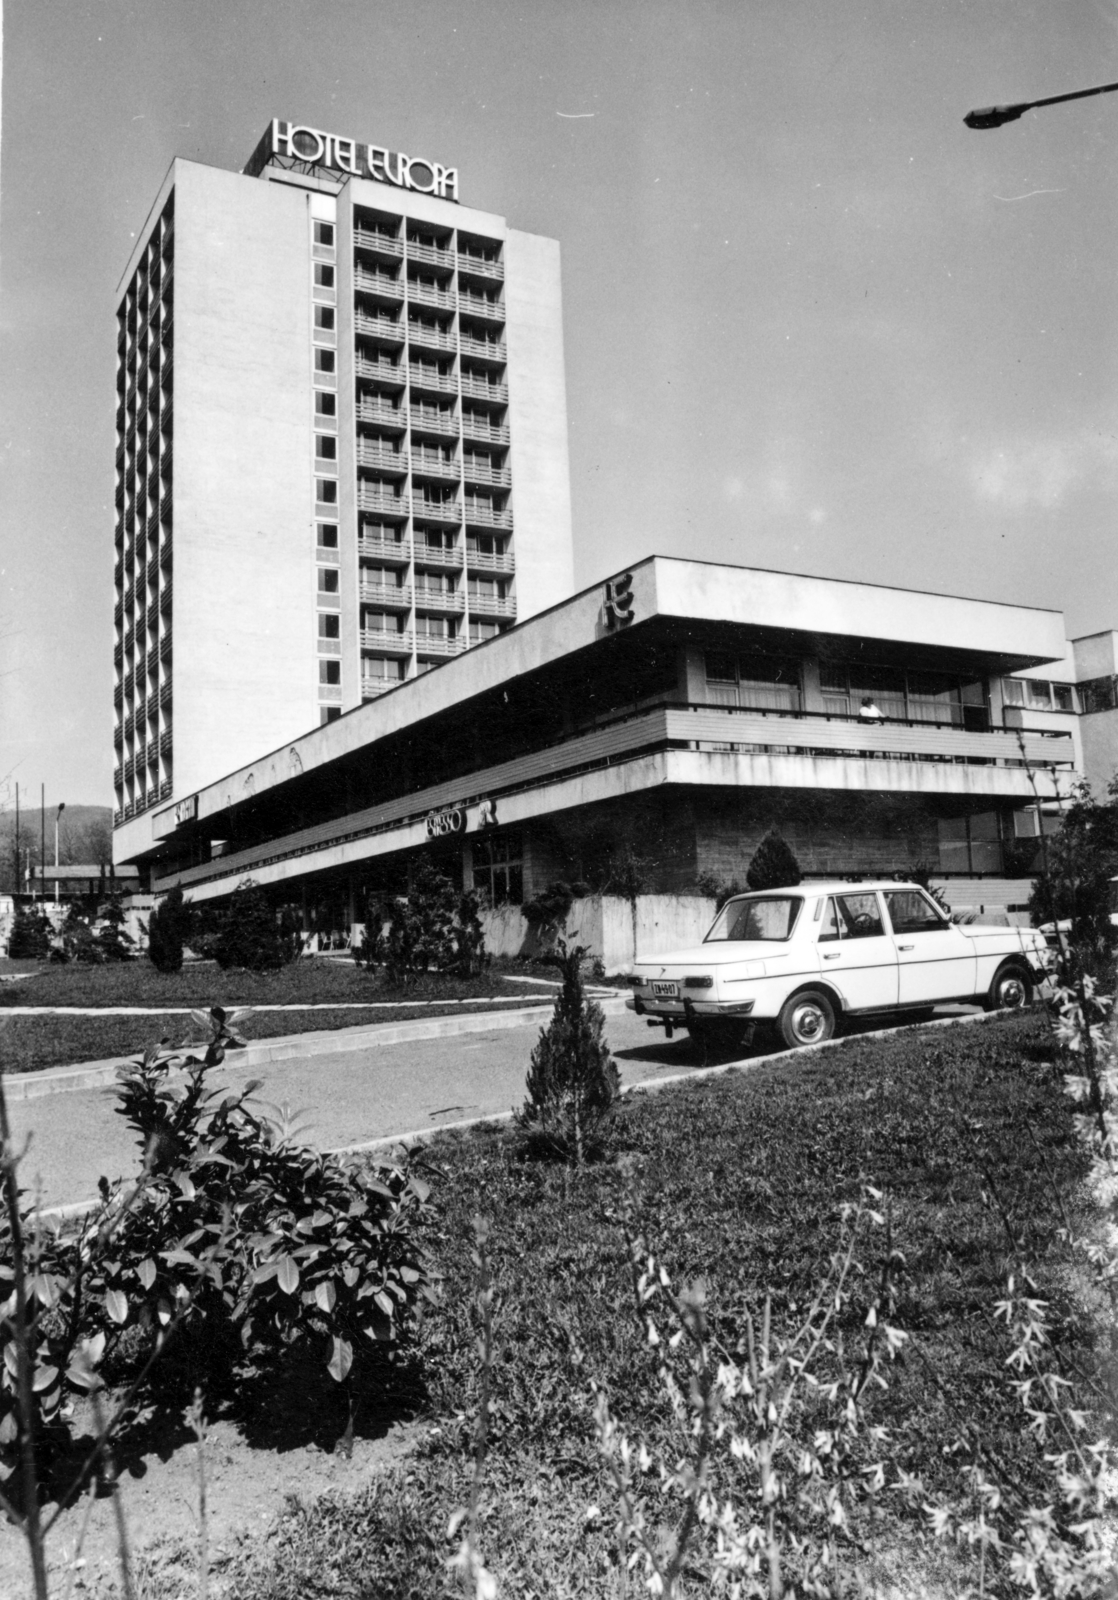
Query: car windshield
{"type": "Point", "coordinates": [770, 918]}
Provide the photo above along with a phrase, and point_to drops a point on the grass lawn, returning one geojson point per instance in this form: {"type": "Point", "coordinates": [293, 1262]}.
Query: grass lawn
{"type": "Point", "coordinates": [29, 1043]}
{"type": "Point", "coordinates": [736, 1179]}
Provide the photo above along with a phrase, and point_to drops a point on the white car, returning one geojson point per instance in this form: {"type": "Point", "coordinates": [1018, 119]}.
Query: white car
{"type": "Point", "coordinates": [805, 958]}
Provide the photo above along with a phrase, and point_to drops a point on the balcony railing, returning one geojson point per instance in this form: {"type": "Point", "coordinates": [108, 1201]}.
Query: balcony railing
{"type": "Point", "coordinates": [443, 600]}
{"type": "Point", "coordinates": [438, 557]}
{"type": "Point", "coordinates": [480, 305]}
{"type": "Point", "coordinates": [477, 426]}
{"type": "Point", "coordinates": [423, 294]}
{"type": "Point", "coordinates": [447, 512]}
{"type": "Point", "coordinates": [382, 283]}
{"type": "Point", "coordinates": [491, 605]}
{"type": "Point", "coordinates": [490, 561]}
{"type": "Point", "coordinates": [370, 454]}
{"type": "Point", "coordinates": [377, 243]}
{"type": "Point", "coordinates": [434, 419]}
{"type": "Point", "coordinates": [373, 688]}
{"type": "Point", "coordinates": [428, 336]}
{"type": "Point", "coordinates": [429, 378]}
{"type": "Point", "coordinates": [391, 550]}
{"type": "Point", "coordinates": [434, 464]}
{"type": "Point", "coordinates": [435, 644]}
{"type": "Point", "coordinates": [385, 505]}
{"type": "Point", "coordinates": [481, 265]}
{"type": "Point", "coordinates": [484, 514]}
{"type": "Point", "coordinates": [391, 597]}
{"type": "Point", "coordinates": [431, 254]}
{"type": "Point", "coordinates": [480, 469]}
{"type": "Point", "coordinates": [383, 371]}
{"type": "Point", "coordinates": [387, 330]}
{"type": "Point", "coordinates": [476, 388]}
{"type": "Point", "coordinates": [387, 415]}
{"type": "Point", "coordinates": [385, 643]}
{"type": "Point", "coordinates": [483, 349]}
{"type": "Point", "coordinates": [165, 692]}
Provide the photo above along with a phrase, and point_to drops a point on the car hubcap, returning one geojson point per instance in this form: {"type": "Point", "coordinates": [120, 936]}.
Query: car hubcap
{"type": "Point", "coordinates": [808, 1024]}
{"type": "Point", "coordinates": [1012, 993]}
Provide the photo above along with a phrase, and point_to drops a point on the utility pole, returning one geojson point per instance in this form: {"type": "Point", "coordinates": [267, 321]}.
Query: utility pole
{"type": "Point", "coordinates": [43, 839]}
{"type": "Point", "coordinates": [15, 884]}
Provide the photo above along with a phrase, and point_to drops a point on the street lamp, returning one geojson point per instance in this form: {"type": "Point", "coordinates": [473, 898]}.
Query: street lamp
{"type": "Point", "coordinates": [994, 116]}
{"type": "Point", "coordinates": [58, 813]}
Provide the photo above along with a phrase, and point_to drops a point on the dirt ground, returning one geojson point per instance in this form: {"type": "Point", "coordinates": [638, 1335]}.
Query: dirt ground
{"type": "Point", "coordinates": [259, 1455]}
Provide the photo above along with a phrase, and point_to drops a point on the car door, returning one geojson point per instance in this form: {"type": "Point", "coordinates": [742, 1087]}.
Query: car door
{"type": "Point", "coordinates": [935, 959]}
{"type": "Point", "coordinates": [856, 952]}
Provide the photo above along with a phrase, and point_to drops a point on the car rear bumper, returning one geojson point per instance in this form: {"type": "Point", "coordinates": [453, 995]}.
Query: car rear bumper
{"type": "Point", "coordinates": [680, 1010]}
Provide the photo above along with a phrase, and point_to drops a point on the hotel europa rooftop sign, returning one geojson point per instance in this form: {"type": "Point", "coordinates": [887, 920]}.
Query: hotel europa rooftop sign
{"type": "Point", "coordinates": [293, 145]}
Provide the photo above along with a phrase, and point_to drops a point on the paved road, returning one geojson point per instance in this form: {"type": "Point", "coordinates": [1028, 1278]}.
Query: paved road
{"type": "Point", "coordinates": [345, 1097]}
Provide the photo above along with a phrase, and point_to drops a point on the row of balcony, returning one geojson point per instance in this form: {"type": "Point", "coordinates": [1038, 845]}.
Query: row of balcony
{"type": "Point", "coordinates": [396, 460]}
{"type": "Point", "coordinates": [142, 802]}
{"type": "Point", "coordinates": [429, 379]}
{"type": "Point", "coordinates": [442, 601]}
{"type": "Point", "coordinates": [391, 247]}
{"type": "Point", "coordinates": [377, 499]}
{"type": "Point", "coordinates": [476, 426]}
{"type": "Point", "coordinates": [391, 331]}
{"type": "Point", "coordinates": [406, 643]}
{"type": "Point", "coordinates": [395, 287]}
{"type": "Point", "coordinates": [161, 696]}
{"type": "Point", "coordinates": [400, 553]}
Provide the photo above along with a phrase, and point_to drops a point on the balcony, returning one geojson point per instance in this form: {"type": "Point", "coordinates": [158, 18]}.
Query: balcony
{"type": "Point", "coordinates": [118, 777]}
{"type": "Point", "coordinates": [441, 602]}
{"type": "Point", "coordinates": [502, 561]}
{"type": "Point", "coordinates": [489, 350]}
{"type": "Point", "coordinates": [476, 426]}
{"type": "Point", "coordinates": [165, 789]}
{"type": "Point", "coordinates": [164, 647]}
{"type": "Point", "coordinates": [484, 514]}
{"type": "Point", "coordinates": [481, 306]}
{"type": "Point", "coordinates": [165, 596]}
{"type": "Point", "coordinates": [438, 558]}
{"type": "Point", "coordinates": [435, 644]}
{"type": "Point", "coordinates": [379, 371]}
{"type": "Point", "coordinates": [381, 642]}
{"type": "Point", "coordinates": [431, 380]}
{"type": "Point", "coordinates": [425, 294]}
{"type": "Point", "coordinates": [432, 255]}
{"type": "Point", "coordinates": [430, 336]}
{"type": "Point", "coordinates": [434, 419]}
{"type": "Point", "coordinates": [165, 742]}
{"type": "Point", "coordinates": [446, 512]}
{"type": "Point", "coordinates": [382, 413]}
{"type": "Point", "coordinates": [373, 688]}
{"type": "Point", "coordinates": [371, 498]}
{"type": "Point", "coordinates": [385, 285]}
{"type": "Point", "coordinates": [435, 464]}
{"type": "Point", "coordinates": [375, 243]}
{"type": "Point", "coordinates": [118, 696]}
{"type": "Point", "coordinates": [388, 597]}
{"type": "Point", "coordinates": [165, 548]}
{"type": "Point", "coordinates": [475, 387]}
{"type": "Point", "coordinates": [480, 469]}
{"type": "Point", "coordinates": [491, 605]}
{"type": "Point", "coordinates": [479, 265]}
{"type": "Point", "coordinates": [371, 453]}
{"type": "Point", "coordinates": [387, 331]}
{"type": "Point", "coordinates": [395, 552]}
{"type": "Point", "coordinates": [165, 692]}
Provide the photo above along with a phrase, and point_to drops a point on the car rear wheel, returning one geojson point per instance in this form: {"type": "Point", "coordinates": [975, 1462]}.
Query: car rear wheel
{"type": "Point", "coordinates": [807, 1018]}
{"type": "Point", "coordinates": [1011, 990]}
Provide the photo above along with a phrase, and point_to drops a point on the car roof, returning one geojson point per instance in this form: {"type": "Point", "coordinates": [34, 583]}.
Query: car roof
{"type": "Point", "coordinates": [834, 886]}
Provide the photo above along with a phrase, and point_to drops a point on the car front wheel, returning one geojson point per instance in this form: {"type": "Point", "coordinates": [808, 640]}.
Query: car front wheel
{"type": "Point", "coordinates": [807, 1018]}
{"type": "Point", "coordinates": [1011, 990]}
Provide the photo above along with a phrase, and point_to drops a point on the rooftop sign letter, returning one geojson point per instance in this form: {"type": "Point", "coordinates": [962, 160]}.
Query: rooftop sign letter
{"type": "Point", "coordinates": [294, 142]}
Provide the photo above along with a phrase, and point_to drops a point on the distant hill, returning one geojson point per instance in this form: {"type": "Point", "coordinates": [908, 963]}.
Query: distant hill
{"type": "Point", "coordinates": [85, 835]}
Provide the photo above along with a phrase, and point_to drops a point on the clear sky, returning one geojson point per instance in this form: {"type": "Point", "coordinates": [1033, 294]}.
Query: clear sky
{"type": "Point", "coordinates": [812, 321]}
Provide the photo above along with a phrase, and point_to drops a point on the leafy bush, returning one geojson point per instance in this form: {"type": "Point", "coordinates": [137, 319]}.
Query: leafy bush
{"type": "Point", "coordinates": [233, 1234]}
{"type": "Point", "coordinates": [573, 1084]}
{"type": "Point", "coordinates": [167, 931]}
{"type": "Point", "coordinates": [75, 940]}
{"type": "Point", "coordinates": [31, 934]}
{"type": "Point", "coordinates": [548, 912]}
{"type": "Point", "coordinates": [773, 865]}
{"type": "Point", "coordinates": [434, 927]}
{"type": "Point", "coordinates": [251, 935]}
{"type": "Point", "coordinates": [1075, 885]}
{"type": "Point", "coordinates": [717, 888]}
{"type": "Point", "coordinates": [113, 942]}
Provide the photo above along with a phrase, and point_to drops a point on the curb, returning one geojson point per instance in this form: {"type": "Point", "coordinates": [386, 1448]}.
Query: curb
{"type": "Point", "coordinates": [286, 1047]}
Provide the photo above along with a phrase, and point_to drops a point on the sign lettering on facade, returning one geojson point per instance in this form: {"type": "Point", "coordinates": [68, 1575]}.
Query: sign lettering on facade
{"type": "Point", "coordinates": [319, 149]}
{"type": "Point", "coordinates": [451, 819]}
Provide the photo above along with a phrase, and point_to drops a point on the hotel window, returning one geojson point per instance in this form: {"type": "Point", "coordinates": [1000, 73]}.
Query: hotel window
{"type": "Point", "coordinates": [434, 628]}
{"type": "Point", "coordinates": [759, 683]}
{"type": "Point", "coordinates": [327, 535]}
{"type": "Point", "coordinates": [326, 447]}
{"type": "Point", "coordinates": [324, 233]}
{"type": "Point", "coordinates": [330, 672]}
{"type": "Point", "coordinates": [384, 622]}
{"type": "Point", "coordinates": [323, 275]}
{"type": "Point", "coordinates": [330, 634]}
{"type": "Point", "coordinates": [328, 580]}
{"type": "Point", "coordinates": [326, 491]}
{"type": "Point", "coordinates": [328, 714]}
{"type": "Point", "coordinates": [480, 631]}
{"type": "Point", "coordinates": [499, 869]}
{"type": "Point", "coordinates": [325, 401]}
{"type": "Point", "coordinates": [325, 361]}
{"type": "Point", "coordinates": [324, 317]}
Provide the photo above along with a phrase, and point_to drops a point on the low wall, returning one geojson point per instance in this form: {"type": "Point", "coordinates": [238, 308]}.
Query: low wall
{"type": "Point", "coordinates": [612, 928]}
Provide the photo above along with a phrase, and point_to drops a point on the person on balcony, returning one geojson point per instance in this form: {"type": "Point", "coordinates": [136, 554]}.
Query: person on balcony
{"type": "Point", "coordinates": [869, 710]}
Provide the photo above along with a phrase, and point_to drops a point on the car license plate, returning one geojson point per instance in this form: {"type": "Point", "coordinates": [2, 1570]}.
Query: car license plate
{"type": "Point", "coordinates": [666, 991]}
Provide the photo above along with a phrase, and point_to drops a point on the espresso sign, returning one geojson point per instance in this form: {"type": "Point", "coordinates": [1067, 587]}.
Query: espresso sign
{"type": "Point", "coordinates": [298, 143]}
{"type": "Point", "coordinates": [451, 819]}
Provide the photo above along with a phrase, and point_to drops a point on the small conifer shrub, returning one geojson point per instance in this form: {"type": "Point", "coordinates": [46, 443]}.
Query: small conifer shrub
{"type": "Point", "coordinates": [773, 865]}
{"type": "Point", "coordinates": [573, 1085]}
{"type": "Point", "coordinates": [31, 934]}
{"type": "Point", "coordinates": [167, 932]}
{"type": "Point", "coordinates": [250, 934]}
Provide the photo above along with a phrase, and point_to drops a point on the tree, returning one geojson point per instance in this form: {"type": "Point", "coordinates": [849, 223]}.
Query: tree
{"type": "Point", "coordinates": [167, 930]}
{"type": "Point", "coordinates": [31, 934]}
{"type": "Point", "coordinates": [113, 941]}
{"type": "Point", "coordinates": [249, 934]}
{"type": "Point", "coordinates": [773, 865]}
{"type": "Point", "coordinates": [76, 939]}
{"type": "Point", "coordinates": [433, 928]}
{"type": "Point", "coordinates": [573, 1085]}
{"type": "Point", "coordinates": [1075, 886]}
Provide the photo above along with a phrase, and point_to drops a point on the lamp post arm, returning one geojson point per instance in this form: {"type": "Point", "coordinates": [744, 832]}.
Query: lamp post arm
{"type": "Point", "coordinates": [995, 116]}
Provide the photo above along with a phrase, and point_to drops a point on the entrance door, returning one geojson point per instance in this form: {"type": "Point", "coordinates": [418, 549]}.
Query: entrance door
{"type": "Point", "coordinates": [935, 959]}
{"type": "Point", "coordinates": [856, 953]}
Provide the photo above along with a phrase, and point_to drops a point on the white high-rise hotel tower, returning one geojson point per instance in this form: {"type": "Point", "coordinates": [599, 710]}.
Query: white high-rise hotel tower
{"type": "Point", "coordinates": [341, 452]}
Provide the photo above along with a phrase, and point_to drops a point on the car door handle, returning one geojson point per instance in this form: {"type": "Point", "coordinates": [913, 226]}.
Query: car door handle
{"type": "Point", "coordinates": [906, 947]}
{"type": "Point", "coordinates": [835, 956]}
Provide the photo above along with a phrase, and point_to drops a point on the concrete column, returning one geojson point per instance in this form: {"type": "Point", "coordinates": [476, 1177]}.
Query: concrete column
{"type": "Point", "coordinates": [692, 674]}
{"type": "Point", "coordinates": [812, 692]}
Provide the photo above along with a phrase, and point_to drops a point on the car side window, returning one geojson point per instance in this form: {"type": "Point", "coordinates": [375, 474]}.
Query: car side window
{"type": "Point", "coordinates": [911, 912]}
{"type": "Point", "coordinates": [851, 916]}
